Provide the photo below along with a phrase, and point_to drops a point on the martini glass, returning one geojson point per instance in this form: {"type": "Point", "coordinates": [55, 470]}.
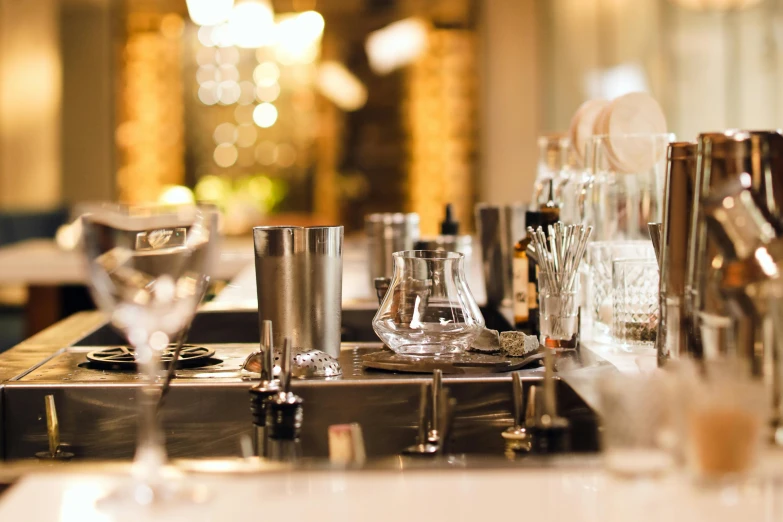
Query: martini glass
{"type": "Point", "coordinates": [148, 266]}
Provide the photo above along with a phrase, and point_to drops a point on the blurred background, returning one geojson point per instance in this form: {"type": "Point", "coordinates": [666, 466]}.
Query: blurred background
{"type": "Point", "coordinates": [321, 111]}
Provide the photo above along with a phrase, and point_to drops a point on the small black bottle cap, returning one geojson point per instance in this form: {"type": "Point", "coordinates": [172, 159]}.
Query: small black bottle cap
{"type": "Point", "coordinates": [449, 226]}
{"type": "Point", "coordinates": [550, 437]}
{"type": "Point", "coordinates": [259, 394]}
{"type": "Point", "coordinates": [284, 414]}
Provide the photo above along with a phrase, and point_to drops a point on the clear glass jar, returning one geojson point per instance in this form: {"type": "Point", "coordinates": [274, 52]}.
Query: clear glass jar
{"type": "Point", "coordinates": [428, 309]}
{"type": "Point", "coordinates": [626, 191]}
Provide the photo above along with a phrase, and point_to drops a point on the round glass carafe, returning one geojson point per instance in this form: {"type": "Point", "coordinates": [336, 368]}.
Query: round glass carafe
{"type": "Point", "coordinates": [428, 309]}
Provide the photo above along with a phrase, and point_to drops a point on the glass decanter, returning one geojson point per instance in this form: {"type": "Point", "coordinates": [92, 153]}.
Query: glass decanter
{"type": "Point", "coordinates": [428, 309]}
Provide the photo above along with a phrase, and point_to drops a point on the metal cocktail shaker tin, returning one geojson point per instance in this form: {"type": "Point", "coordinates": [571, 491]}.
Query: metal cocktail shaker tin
{"type": "Point", "coordinates": [299, 284]}
{"type": "Point", "coordinates": [723, 158]}
{"type": "Point", "coordinates": [674, 323]}
{"type": "Point", "coordinates": [499, 227]}
{"type": "Point", "coordinates": [388, 233]}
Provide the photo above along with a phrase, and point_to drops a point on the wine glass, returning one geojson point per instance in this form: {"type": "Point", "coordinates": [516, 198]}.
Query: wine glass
{"type": "Point", "coordinates": [148, 267]}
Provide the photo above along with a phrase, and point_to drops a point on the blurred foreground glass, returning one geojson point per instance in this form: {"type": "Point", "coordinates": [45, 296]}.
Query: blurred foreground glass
{"type": "Point", "coordinates": [638, 424]}
{"type": "Point", "coordinates": [626, 191]}
{"type": "Point", "coordinates": [600, 256]}
{"type": "Point", "coordinates": [148, 268]}
{"type": "Point", "coordinates": [635, 303]}
{"type": "Point", "coordinates": [725, 422]}
{"type": "Point", "coordinates": [428, 309]}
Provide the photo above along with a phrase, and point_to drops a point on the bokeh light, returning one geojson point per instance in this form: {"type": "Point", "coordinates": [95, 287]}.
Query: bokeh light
{"type": "Point", "coordinates": [227, 56]}
{"type": "Point", "coordinates": [172, 26]}
{"type": "Point", "coordinates": [252, 24]}
{"type": "Point", "coordinates": [265, 115]}
{"type": "Point", "coordinates": [206, 73]}
{"type": "Point", "coordinates": [298, 37]}
{"type": "Point", "coordinates": [246, 135]}
{"type": "Point", "coordinates": [225, 133]}
{"type": "Point", "coordinates": [227, 73]}
{"type": "Point", "coordinates": [266, 74]}
{"type": "Point", "coordinates": [225, 155]}
{"type": "Point", "coordinates": [228, 92]}
{"type": "Point", "coordinates": [267, 93]}
{"type": "Point", "coordinates": [208, 93]}
{"type": "Point", "coordinates": [176, 195]}
{"type": "Point", "coordinates": [212, 189]}
{"type": "Point", "coordinates": [209, 12]}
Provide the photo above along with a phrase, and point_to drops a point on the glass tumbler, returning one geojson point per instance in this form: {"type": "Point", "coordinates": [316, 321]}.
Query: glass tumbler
{"type": "Point", "coordinates": [600, 256]}
{"type": "Point", "coordinates": [639, 425]}
{"type": "Point", "coordinates": [558, 312]}
{"type": "Point", "coordinates": [428, 309]}
{"type": "Point", "coordinates": [635, 303]}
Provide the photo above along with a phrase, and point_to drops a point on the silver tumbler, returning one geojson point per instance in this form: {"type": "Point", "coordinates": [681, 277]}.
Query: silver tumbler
{"type": "Point", "coordinates": [499, 227]}
{"type": "Point", "coordinates": [299, 273]}
{"type": "Point", "coordinates": [388, 233]}
{"type": "Point", "coordinates": [674, 323]}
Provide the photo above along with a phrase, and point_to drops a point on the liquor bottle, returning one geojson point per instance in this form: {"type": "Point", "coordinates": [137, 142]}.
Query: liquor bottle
{"type": "Point", "coordinates": [525, 285]}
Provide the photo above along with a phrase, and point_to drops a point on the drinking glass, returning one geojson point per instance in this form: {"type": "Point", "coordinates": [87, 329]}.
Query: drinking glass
{"type": "Point", "coordinates": [148, 267]}
{"type": "Point", "coordinates": [559, 313]}
{"type": "Point", "coordinates": [726, 422]}
{"type": "Point", "coordinates": [639, 425]}
{"type": "Point", "coordinates": [627, 187]}
{"type": "Point", "coordinates": [428, 309]}
{"type": "Point", "coordinates": [600, 256]}
{"type": "Point", "coordinates": [635, 303]}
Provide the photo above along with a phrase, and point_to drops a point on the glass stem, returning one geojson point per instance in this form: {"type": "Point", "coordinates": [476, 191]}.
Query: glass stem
{"type": "Point", "coordinates": [150, 450]}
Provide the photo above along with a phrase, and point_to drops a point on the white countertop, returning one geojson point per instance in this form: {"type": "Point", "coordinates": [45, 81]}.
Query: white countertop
{"type": "Point", "coordinates": [571, 495]}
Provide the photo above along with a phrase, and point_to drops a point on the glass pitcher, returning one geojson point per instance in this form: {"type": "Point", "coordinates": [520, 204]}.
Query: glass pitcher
{"type": "Point", "coordinates": [428, 309]}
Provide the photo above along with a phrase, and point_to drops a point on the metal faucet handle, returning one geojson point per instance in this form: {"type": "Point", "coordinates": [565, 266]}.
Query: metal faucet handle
{"type": "Point", "coordinates": [445, 420]}
{"type": "Point", "coordinates": [433, 436]}
{"type": "Point", "coordinates": [516, 386]}
{"type": "Point", "coordinates": [53, 434]}
{"type": "Point", "coordinates": [517, 437]}
{"type": "Point", "coordinates": [431, 417]}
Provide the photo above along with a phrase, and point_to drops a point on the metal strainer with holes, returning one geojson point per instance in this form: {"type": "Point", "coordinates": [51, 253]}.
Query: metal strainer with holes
{"type": "Point", "coordinates": [307, 364]}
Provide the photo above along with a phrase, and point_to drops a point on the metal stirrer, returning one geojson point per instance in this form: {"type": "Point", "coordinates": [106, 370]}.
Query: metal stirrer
{"type": "Point", "coordinates": [559, 253]}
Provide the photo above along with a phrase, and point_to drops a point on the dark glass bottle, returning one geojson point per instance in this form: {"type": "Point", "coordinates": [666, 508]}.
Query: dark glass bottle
{"type": "Point", "coordinates": [526, 272]}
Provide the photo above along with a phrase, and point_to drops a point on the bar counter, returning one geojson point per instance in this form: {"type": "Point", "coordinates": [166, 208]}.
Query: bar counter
{"type": "Point", "coordinates": [574, 492]}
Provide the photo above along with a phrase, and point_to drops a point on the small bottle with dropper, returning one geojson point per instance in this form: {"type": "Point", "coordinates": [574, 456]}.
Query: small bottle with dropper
{"type": "Point", "coordinates": [449, 239]}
